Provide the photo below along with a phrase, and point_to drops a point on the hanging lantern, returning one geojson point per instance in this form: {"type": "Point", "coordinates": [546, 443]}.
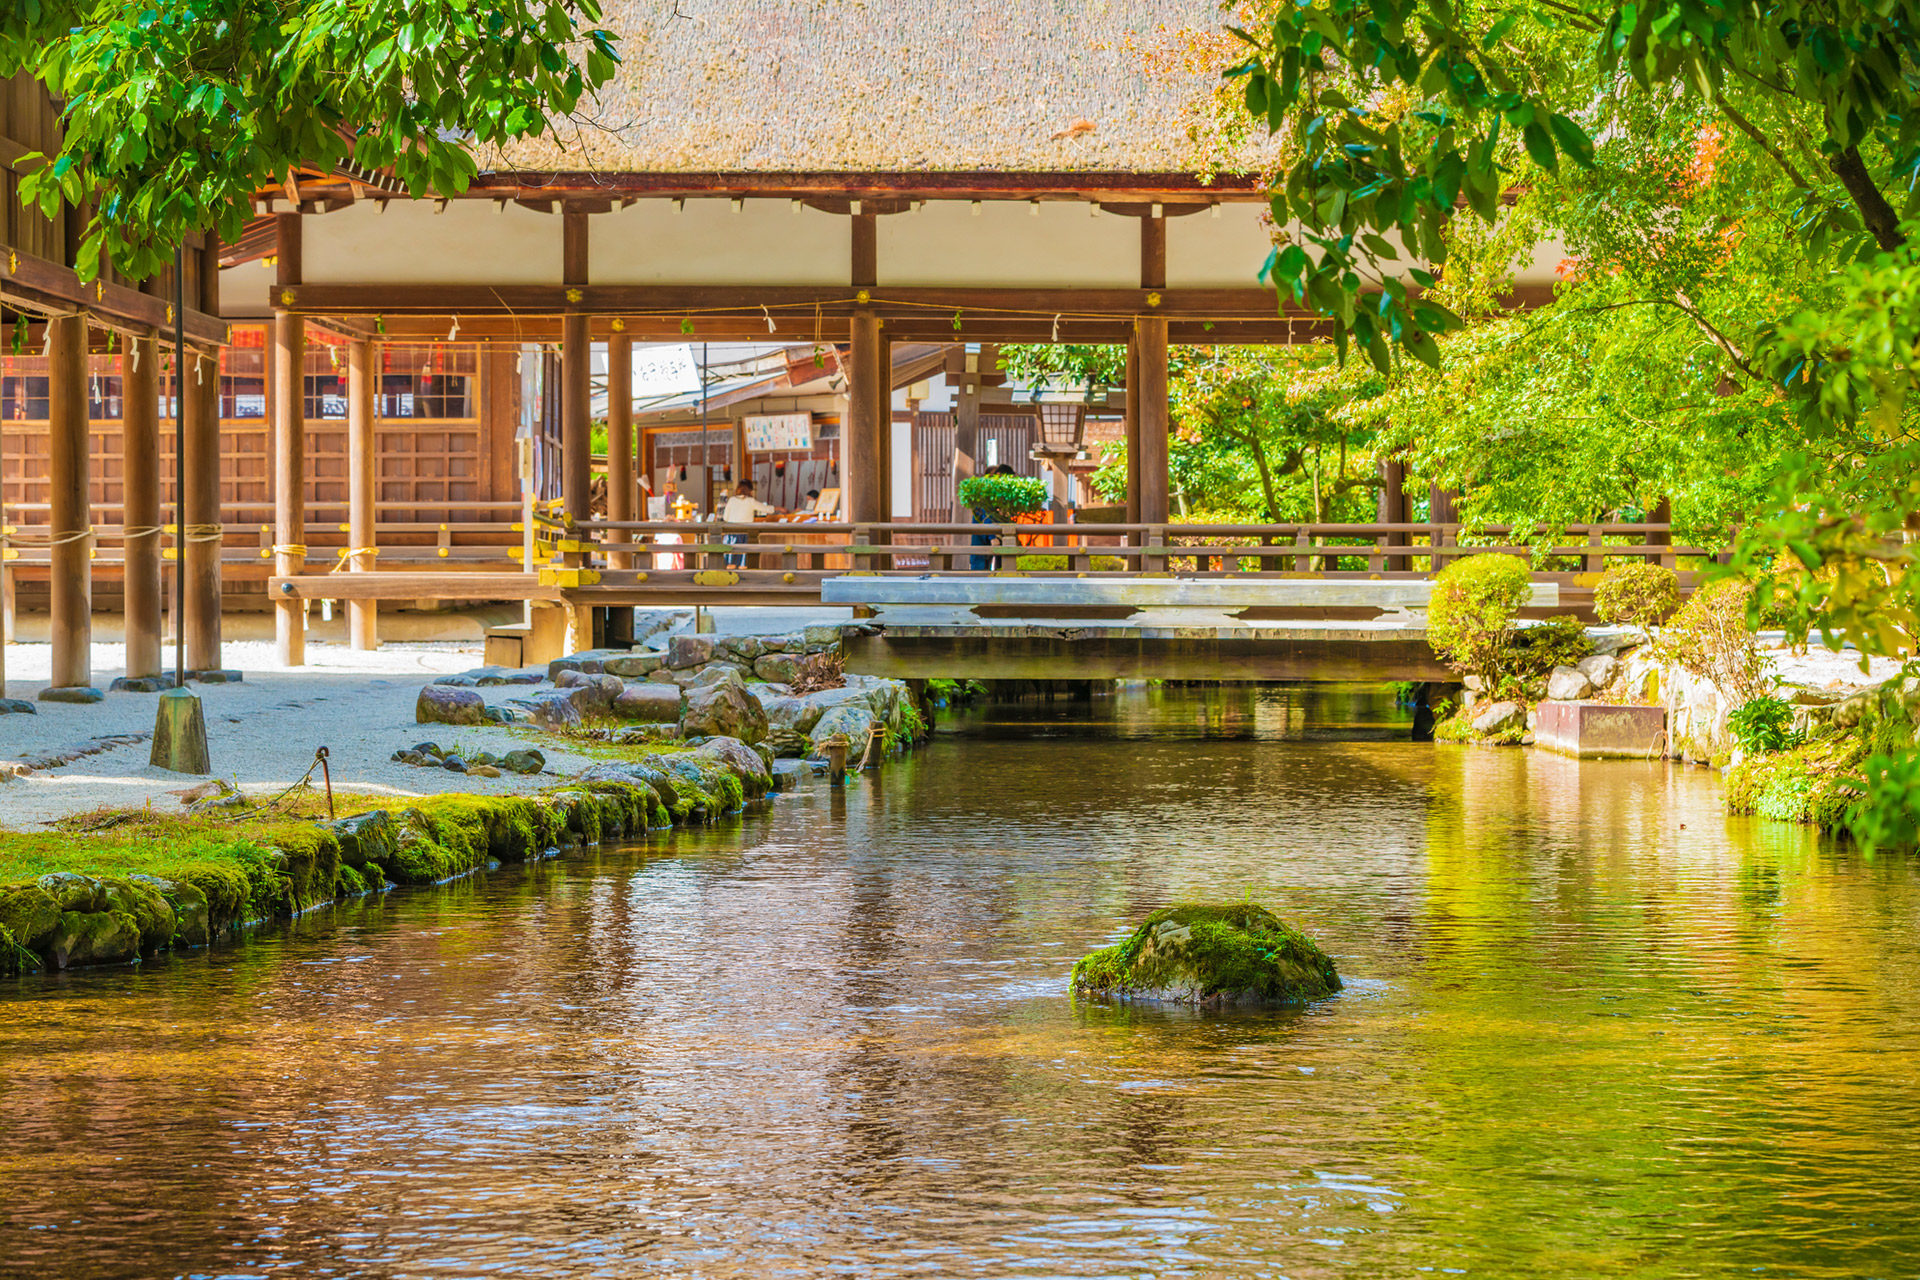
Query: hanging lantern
{"type": "Point", "coordinates": [780, 467]}
{"type": "Point", "coordinates": [683, 473]}
{"type": "Point", "coordinates": [726, 473]}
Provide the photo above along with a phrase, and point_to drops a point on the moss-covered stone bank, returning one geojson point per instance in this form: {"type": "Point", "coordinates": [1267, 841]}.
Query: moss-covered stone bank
{"type": "Point", "coordinates": [111, 887]}
{"type": "Point", "coordinates": [1238, 954]}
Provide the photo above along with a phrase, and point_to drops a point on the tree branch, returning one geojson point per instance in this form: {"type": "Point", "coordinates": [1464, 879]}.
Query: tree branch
{"type": "Point", "coordinates": [1720, 339]}
{"type": "Point", "coordinates": [1880, 219]}
{"type": "Point", "coordinates": [1761, 140]}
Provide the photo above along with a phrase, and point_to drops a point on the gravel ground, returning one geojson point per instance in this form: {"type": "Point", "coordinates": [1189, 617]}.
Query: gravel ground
{"type": "Point", "coordinates": [261, 733]}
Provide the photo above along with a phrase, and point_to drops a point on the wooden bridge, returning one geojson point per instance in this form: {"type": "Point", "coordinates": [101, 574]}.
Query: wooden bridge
{"type": "Point", "coordinates": [1181, 601]}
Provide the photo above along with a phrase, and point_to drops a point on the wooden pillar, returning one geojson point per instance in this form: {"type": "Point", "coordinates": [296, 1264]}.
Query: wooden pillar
{"type": "Point", "coordinates": [1133, 435]}
{"type": "Point", "coordinates": [200, 553]}
{"type": "Point", "coordinates": [862, 438]}
{"type": "Point", "coordinates": [1151, 333]}
{"type": "Point", "coordinates": [363, 616]}
{"type": "Point", "coordinates": [140, 510]}
{"type": "Point", "coordinates": [620, 478]}
{"type": "Point", "coordinates": [1662, 513]}
{"type": "Point", "coordinates": [966, 435]}
{"type": "Point", "coordinates": [1391, 507]}
{"type": "Point", "coordinates": [576, 376]}
{"type": "Point", "coordinates": [288, 383]}
{"type": "Point", "coordinates": [70, 570]}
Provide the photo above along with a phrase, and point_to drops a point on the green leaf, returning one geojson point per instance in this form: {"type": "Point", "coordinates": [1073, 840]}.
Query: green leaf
{"type": "Point", "coordinates": [1540, 146]}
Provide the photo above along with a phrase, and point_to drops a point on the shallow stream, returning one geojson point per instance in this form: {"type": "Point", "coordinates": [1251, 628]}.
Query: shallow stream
{"type": "Point", "coordinates": [1592, 1027]}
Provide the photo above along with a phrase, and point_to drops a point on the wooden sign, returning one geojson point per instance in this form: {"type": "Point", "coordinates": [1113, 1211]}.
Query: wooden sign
{"type": "Point", "coordinates": [770, 431]}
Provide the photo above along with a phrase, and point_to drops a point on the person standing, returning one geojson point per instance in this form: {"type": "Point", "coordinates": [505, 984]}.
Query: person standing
{"type": "Point", "coordinates": [743, 508]}
{"type": "Point", "coordinates": [982, 516]}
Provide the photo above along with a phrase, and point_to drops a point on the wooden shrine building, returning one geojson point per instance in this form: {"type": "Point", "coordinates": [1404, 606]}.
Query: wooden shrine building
{"type": "Point", "coordinates": [869, 195]}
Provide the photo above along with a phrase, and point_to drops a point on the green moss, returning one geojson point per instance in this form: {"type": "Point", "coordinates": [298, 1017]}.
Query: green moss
{"type": "Point", "coordinates": [1455, 728]}
{"type": "Point", "coordinates": [347, 883]}
{"type": "Point", "coordinates": [1239, 953]}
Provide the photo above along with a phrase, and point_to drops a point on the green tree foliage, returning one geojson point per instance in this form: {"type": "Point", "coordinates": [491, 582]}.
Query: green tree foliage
{"type": "Point", "coordinates": [177, 111]}
{"type": "Point", "coordinates": [1470, 616]}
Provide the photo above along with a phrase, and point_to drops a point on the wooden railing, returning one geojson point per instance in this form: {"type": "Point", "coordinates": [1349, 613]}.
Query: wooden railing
{"type": "Point", "coordinates": [1118, 549]}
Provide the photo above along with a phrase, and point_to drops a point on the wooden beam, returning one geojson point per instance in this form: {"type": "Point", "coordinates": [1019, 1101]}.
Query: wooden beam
{"type": "Point", "coordinates": [57, 288]}
{"type": "Point", "coordinates": [199, 439]}
{"type": "Point", "coordinates": [573, 245]}
{"type": "Point", "coordinates": [140, 503]}
{"type": "Point", "coordinates": [363, 616]}
{"type": "Point", "coordinates": [1153, 252]}
{"type": "Point", "coordinates": [959, 184]}
{"type": "Point", "coordinates": [674, 302]}
{"type": "Point", "coordinates": [389, 584]}
{"type": "Point", "coordinates": [866, 250]}
{"type": "Point", "coordinates": [70, 572]}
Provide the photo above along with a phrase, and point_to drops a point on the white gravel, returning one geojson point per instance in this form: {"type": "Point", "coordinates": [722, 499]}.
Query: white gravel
{"type": "Point", "coordinates": [261, 734]}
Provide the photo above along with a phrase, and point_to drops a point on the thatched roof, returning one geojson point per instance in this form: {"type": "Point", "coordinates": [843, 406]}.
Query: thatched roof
{"type": "Point", "coordinates": [772, 85]}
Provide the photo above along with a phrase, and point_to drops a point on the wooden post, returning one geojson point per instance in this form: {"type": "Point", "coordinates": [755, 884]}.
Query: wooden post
{"type": "Point", "coordinates": [199, 543]}
{"type": "Point", "coordinates": [1151, 334]}
{"type": "Point", "coordinates": [1133, 444]}
{"type": "Point", "coordinates": [620, 480]}
{"type": "Point", "coordinates": [862, 439]}
{"type": "Point", "coordinates": [140, 511]}
{"type": "Point", "coordinates": [576, 376]}
{"type": "Point", "coordinates": [966, 437]}
{"type": "Point", "coordinates": [363, 616]}
{"type": "Point", "coordinates": [1392, 508]}
{"type": "Point", "coordinates": [289, 385]}
{"type": "Point", "coordinates": [1662, 513]}
{"type": "Point", "coordinates": [70, 570]}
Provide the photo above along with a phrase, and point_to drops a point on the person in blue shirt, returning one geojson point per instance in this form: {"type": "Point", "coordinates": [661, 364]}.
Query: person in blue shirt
{"type": "Point", "coordinates": [982, 516]}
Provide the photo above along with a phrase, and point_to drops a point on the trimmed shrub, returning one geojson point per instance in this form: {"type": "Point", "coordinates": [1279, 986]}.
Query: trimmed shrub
{"type": "Point", "coordinates": [1470, 619]}
{"type": "Point", "coordinates": [1003, 496]}
{"type": "Point", "coordinates": [1708, 639]}
{"type": "Point", "coordinates": [1637, 595]}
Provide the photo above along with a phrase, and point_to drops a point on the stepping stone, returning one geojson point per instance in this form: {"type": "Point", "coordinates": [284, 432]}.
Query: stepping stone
{"type": "Point", "coordinates": [15, 707]}
{"type": "Point", "coordinates": [140, 684]}
{"type": "Point", "coordinates": [71, 693]}
{"type": "Point", "coordinates": [216, 675]}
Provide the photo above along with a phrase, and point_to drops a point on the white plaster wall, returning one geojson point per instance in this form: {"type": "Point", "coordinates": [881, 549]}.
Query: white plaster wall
{"type": "Point", "coordinates": [715, 242]}
{"type": "Point", "coordinates": [414, 242]}
{"type": "Point", "coordinates": [1007, 244]}
{"type": "Point", "coordinates": [1205, 251]}
{"type": "Point", "coordinates": [902, 461]}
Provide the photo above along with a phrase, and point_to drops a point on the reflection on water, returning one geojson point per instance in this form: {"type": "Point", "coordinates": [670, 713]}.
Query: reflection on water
{"type": "Point", "coordinates": [1592, 1027]}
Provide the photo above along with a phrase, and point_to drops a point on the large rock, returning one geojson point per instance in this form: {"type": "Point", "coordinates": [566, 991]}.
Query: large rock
{"type": "Point", "coordinates": [743, 649]}
{"type": "Point", "coordinates": [715, 672]}
{"type": "Point", "coordinates": [1239, 954]}
{"type": "Point", "coordinates": [592, 694]}
{"type": "Point", "coordinates": [724, 710]}
{"type": "Point", "coordinates": [779, 667]}
{"type": "Point", "coordinates": [689, 651]}
{"type": "Point", "coordinates": [192, 918]}
{"type": "Point", "coordinates": [368, 837]}
{"type": "Point", "coordinates": [755, 778]}
{"type": "Point", "coordinates": [638, 774]}
{"type": "Point", "coordinates": [590, 661]}
{"type": "Point", "coordinates": [853, 719]}
{"type": "Point", "coordinates": [446, 704]}
{"type": "Point", "coordinates": [1568, 684]}
{"type": "Point", "coordinates": [29, 914]}
{"type": "Point", "coordinates": [818, 638]}
{"type": "Point", "coordinates": [151, 912]}
{"type": "Point", "coordinates": [645, 702]}
{"type": "Point", "coordinates": [552, 709]}
{"type": "Point", "coordinates": [1499, 718]}
{"type": "Point", "coordinates": [93, 937]}
{"type": "Point", "coordinates": [632, 666]}
{"type": "Point", "coordinates": [1599, 669]}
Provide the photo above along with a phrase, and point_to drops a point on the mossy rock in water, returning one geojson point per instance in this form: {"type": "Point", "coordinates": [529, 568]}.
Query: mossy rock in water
{"type": "Point", "coordinates": [1240, 954]}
